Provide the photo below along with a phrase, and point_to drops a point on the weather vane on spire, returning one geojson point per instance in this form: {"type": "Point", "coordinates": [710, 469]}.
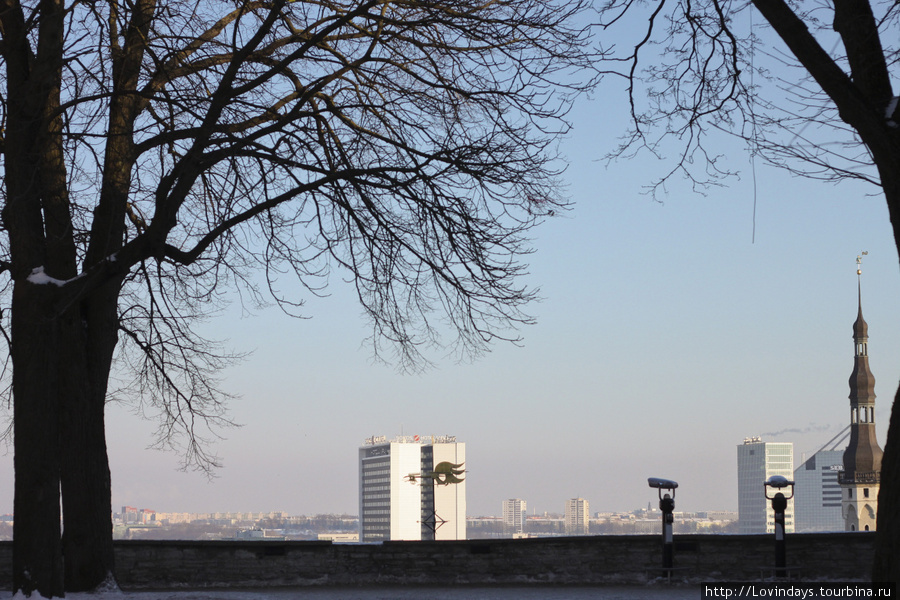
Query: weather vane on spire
{"type": "Point", "coordinates": [859, 262]}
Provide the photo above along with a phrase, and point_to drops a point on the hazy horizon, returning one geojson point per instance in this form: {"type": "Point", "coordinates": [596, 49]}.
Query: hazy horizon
{"type": "Point", "coordinates": [668, 332]}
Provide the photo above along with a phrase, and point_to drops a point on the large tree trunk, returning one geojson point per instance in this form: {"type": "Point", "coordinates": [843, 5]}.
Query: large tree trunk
{"type": "Point", "coordinates": [36, 333]}
{"type": "Point", "coordinates": [86, 487]}
{"type": "Point", "coordinates": [37, 558]}
{"type": "Point", "coordinates": [60, 372]}
{"type": "Point", "coordinates": [37, 218]}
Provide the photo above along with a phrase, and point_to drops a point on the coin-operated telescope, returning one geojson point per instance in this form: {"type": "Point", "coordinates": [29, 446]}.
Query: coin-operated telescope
{"type": "Point", "coordinates": [667, 507]}
{"type": "Point", "coordinates": [779, 507]}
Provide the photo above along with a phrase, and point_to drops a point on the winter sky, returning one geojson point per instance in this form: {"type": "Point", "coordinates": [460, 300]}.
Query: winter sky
{"type": "Point", "coordinates": [666, 335]}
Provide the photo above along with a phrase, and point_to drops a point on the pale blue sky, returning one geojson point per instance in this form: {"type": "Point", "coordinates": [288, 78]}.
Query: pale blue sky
{"type": "Point", "coordinates": [664, 338]}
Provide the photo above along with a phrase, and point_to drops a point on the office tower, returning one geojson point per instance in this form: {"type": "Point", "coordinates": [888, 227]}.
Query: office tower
{"type": "Point", "coordinates": [577, 515]}
{"type": "Point", "coordinates": [817, 493]}
{"type": "Point", "coordinates": [757, 461]}
{"type": "Point", "coordinates": [404, 494]}
{"type": "Point", "coordinates": [861, 477]}
{"type": "Point", "coordinates": [514, 514]}
{"type": "Point", "coordinates": [443, 502]}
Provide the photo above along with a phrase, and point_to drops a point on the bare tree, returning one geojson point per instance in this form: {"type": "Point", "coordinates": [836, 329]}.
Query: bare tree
{"type": "Point", "coordinates": [702, 66]}
{"type": "Point", "coordinates": [157, 152]}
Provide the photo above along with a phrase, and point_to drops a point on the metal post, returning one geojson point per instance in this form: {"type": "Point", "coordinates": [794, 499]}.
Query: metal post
{"type": "Point", "coordinates": [779, 505]}
{"type": "Point", "coordinates": [667, 506]}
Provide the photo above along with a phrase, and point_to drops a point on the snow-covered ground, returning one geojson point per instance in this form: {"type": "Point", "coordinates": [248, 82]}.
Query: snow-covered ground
{"type": "Point", "coordinates": [410, 593]}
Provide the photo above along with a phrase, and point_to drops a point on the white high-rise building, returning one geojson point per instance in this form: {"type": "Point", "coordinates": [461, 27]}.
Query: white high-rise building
{"type": "Point", "coordinates": [429, 505]}
{"type": "Point", "coordinates": [444, 502]}
{"type": "Point", "coordinates": [514, 514]}
{"type": "Point", "coordinates": [757, 461]}
{"type": "Point", "coordinates": [577, 516]}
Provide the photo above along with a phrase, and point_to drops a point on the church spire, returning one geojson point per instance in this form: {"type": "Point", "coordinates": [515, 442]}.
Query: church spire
{"type": "Point", "coordinates": [862, 382]}
{"type": "Point", "coordinates": [862, 458]}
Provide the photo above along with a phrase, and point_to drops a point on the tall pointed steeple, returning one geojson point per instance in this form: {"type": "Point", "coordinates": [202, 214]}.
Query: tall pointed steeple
{"type": "Point", "coordinates": [862, 459]}
{"type": "Point", "coordinates": [862, 382]}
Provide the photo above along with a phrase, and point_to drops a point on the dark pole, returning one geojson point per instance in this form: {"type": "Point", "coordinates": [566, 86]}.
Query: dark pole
{"type": "Point", "coordinates": [667, 506]}
{"type": "Point", "coordinates": [779, 505]}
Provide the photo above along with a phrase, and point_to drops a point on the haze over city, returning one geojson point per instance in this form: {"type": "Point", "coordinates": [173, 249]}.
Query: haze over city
{"type": "Point", "coordinates": [668, 332]}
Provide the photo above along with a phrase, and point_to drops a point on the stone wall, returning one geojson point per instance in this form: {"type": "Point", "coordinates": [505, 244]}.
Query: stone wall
{"type": "Point", "coordinates": [561, 560]}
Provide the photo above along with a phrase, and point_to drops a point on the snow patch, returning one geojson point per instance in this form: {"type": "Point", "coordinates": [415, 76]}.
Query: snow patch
{"type": "Point", "coordinates": [891, 107]}
{"type": "Point", "coordinates": [889, 112]}
{"type": "Point", "coordinates": [38, 277]}
{"type": "Point", "coordinates": [109, 585]}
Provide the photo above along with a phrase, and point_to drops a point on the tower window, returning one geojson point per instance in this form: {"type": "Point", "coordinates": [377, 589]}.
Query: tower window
{"type": "Point", "coordinates": [866, 492]}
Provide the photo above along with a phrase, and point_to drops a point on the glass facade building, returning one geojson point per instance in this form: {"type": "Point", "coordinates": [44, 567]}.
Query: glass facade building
{"type": "Point", "coordinates": [757, 461]}
{"type": "Point", "coordinates": [817, 494]}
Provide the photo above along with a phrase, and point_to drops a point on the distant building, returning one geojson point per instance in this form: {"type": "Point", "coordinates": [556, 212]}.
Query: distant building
{"type": "Point", "coordinates": [130, 515]}
{"type": "Point", "coordinates": [817, 493]}
{"type": "Point", "coordinates": [339, 538]}
{"type": "Point", "coordinates": [258, 534]}
{"type": "Point", "coordinates": [720, 515]}
{"type": "Point", "coordinates": [757, 461]}
{"type": "Point", "coordinates": [134, 516]}
{"type": "Point", "coordinates": [577, 516]}
{"type": "Point", "coordinates": [514, 514]}
{"type": "Point", "coordinates": [394, 506]}
{"type": "Point", "coordinates": [861, 477]}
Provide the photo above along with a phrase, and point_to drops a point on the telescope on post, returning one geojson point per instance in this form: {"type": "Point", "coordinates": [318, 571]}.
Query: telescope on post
{"type": "Point", "coordinates": [779, 507]}
{"type": "Point", "coordinates": [667, 506]}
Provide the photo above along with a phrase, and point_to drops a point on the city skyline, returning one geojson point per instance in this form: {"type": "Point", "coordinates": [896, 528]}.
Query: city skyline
{"type": "Point", "coordinates": [667, 333]}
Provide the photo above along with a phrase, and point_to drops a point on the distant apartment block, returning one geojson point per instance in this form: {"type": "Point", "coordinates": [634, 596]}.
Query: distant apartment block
{"type": "Point", "coordinates": [577, 516]}
{"type": "Point", "coordinates": [757, 461]}
{"type": "Point", "coordinates": [173, 518]}
{"type": "Point", "coordinates": [514, 514]}
{"type": "Point", "coordinates": [219, 518]}
{"type": "Point", "coordinates": [134, 516]}
{"type": "Point", "coordinates": [395, 506]}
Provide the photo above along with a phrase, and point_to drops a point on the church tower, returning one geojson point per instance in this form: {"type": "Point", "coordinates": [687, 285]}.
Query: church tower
{"type": "Point", "coordinates": [861, 477]}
